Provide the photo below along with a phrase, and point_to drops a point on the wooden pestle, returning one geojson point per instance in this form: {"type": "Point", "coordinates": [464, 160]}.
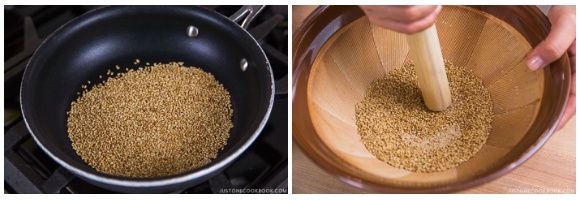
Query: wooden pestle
{"type": "Point", "coordinates": [430, 68]}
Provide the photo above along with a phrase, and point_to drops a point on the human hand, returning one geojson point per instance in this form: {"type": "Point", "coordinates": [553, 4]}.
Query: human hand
{"type": "Point", "coordinates": [404, 19]}
{"type": "Point", "coordinates": [562, 38]}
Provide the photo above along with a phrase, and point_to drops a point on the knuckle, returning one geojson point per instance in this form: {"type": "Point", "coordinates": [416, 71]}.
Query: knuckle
{"type": "Point", "coordinates": [552, 50]}
{"type": "Point", "coordinates": [569, 17]}
{"type": "Point", "coordinates": [412, 13]}
{"type": "Point", "coordinates": [562, 16]}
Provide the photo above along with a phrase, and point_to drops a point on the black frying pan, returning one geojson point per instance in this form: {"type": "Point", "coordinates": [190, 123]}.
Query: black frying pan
{"type": "Point", "coordinates": [95, 42]}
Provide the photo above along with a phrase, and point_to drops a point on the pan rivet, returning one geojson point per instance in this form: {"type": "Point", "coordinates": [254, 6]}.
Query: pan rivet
{"type": "Point", "coordinates": [244, 64]}
{"type": "Point", "coordinates": [192, 31]}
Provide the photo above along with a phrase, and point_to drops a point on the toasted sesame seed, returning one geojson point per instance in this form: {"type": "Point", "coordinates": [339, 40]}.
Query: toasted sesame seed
{"type": "Point", "coordinates": [151, 122]}
{"type": "Point", "coordinates": [397, 128]}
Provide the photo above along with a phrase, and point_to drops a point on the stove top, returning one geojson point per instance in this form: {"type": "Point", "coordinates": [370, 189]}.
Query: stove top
{"type": "Point", "coordinates": [262, 168]}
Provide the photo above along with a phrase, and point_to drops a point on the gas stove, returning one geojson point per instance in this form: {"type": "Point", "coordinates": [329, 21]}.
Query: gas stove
{"type": "Point", "coordinates": [262, 168]}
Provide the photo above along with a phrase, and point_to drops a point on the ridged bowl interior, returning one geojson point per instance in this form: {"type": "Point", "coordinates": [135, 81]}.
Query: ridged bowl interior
{"type": "Point", "coordinates": [360, 53]}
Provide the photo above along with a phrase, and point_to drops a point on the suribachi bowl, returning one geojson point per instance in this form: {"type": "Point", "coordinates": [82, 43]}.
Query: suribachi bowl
{"type": "Point", "coordinates": [337, 53]}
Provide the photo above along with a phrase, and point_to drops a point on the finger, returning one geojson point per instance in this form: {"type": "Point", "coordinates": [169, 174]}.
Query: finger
{"type": "Point", "coordinates": [561, 35]}
{"type": "Point", "coordinates": [410, 14]}
{"type": "Point", "coordinates": [409, 28]}
{"type": "Point", "coordinates": [424, 23]}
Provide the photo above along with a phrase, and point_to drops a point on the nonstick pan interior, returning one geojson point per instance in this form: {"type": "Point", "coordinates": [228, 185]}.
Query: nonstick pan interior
{"type": "Point", "coordinates": [98, 41]}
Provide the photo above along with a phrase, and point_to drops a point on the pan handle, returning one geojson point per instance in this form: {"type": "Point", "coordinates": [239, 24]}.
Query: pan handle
{"type": "Point", "coordinates": [247, 14]}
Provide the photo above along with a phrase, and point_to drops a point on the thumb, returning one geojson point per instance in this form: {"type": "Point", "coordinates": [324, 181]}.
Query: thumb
{"type": "Point", "coordinates": [559, 39]}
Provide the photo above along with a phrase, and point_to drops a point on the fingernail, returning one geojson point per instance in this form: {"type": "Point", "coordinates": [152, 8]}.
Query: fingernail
{"type": "Point", "coordinates": [535, 63]}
